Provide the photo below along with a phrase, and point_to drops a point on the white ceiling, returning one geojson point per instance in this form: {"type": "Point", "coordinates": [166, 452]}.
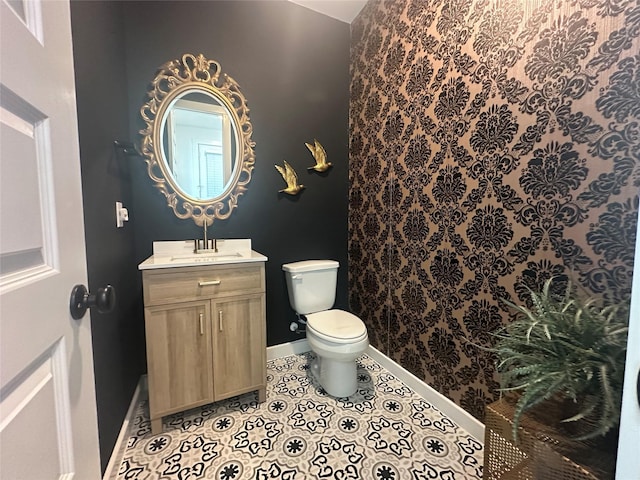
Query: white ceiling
{"type": "Point", "coordinates": [344, 10]}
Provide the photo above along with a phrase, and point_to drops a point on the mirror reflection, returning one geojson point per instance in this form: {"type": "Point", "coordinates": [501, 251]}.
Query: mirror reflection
{"type": "Point", "coordinates": [197, 138]}
{"type": "Point", "coordinates": [199, 145]}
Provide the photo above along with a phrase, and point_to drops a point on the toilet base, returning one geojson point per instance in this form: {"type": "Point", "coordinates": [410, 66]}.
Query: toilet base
{"type": "Point", "coordinates": [339, 379]}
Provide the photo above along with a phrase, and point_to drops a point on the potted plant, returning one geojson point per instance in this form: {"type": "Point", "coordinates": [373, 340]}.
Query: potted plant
{"type": "Point", "coordinates": [564, 348]}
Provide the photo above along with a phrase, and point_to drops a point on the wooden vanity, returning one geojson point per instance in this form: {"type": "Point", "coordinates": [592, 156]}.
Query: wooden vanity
{"type": "Point", "coordinates": [205, 333]}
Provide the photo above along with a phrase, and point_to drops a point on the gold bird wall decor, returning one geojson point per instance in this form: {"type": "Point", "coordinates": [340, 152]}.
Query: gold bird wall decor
{"type": "Point", "coordinates": [289, 175]}
{"type": "Point", "coordinates": [320, 155]}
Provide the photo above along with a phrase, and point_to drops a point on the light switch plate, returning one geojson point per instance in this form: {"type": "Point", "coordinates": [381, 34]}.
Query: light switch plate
{"type": "Point", "coordinates": [122, 215]}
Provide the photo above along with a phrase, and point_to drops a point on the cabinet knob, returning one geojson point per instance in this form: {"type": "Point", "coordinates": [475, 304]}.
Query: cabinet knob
{"type": "Point", "coordinates": [209, 282]}
{"type": "Point", "coordinates": [220, 320]}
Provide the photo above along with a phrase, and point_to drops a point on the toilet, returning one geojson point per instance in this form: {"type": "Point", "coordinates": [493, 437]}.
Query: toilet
{"type": "Point", "coordinates": [337, 337]}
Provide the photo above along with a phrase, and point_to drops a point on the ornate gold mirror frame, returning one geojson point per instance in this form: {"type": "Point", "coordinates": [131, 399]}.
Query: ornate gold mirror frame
{"type": "Point", "coordinates": [174, 80]}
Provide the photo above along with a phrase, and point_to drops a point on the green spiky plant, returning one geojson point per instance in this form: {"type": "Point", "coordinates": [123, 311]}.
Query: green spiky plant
{"type": "Point", "coordinates": [565, 348]}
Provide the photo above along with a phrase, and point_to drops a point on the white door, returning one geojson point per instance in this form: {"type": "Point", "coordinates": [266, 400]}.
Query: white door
{"type": "Point", "coordinates": [48, 423]}
{"type": "Point", "coordinates": [628, 465]}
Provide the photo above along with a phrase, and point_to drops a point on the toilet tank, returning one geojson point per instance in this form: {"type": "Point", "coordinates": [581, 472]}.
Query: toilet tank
{"type": "Point", "coordinates": [311, 285]}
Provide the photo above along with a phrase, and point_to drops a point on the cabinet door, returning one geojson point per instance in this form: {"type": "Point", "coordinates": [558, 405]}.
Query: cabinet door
{"type": "Point", "coordinates": [178, 357]}
{"type": "Point", "coordinates": [239, 350]}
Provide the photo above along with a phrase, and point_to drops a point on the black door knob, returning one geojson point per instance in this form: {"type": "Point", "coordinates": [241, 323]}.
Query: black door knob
{"type": "Point", "coordinates": [81, 299]}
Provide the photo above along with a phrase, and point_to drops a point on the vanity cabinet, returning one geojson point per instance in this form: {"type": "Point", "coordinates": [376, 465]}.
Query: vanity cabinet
{"type": "Point", "coordinates": [205, 334]}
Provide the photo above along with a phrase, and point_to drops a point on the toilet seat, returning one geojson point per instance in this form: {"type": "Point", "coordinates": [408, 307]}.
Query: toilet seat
{"type": "Point", "coordinates": [336, 326]}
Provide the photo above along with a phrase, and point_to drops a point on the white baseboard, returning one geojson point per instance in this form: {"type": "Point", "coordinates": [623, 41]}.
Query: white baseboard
{"type": "Point", "coordinates": [285, 349]}
{"type": "Point", "coordinates": [456, 413]}
{"type": "Point", "coordinates": [109, 473]}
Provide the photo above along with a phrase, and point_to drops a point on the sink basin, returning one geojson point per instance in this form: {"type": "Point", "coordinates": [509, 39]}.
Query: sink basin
{"type": "Point", "coordinates": [206, 257]}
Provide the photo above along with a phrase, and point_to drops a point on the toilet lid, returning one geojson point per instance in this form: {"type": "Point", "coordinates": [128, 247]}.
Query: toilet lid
{"type": "Point", "coordinates": [336, 325]}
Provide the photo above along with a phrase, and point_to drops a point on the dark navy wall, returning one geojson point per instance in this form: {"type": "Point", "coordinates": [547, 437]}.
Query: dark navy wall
{"type": "Point", "coordinates": [292, 65]}
{"type": "Point", "coordinates": [118, 337]}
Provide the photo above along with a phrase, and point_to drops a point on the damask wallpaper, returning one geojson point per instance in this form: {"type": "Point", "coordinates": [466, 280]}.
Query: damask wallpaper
{"type": "Point", "coordinates": [493, 144]}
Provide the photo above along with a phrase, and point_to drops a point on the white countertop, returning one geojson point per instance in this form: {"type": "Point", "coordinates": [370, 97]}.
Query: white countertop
{"type": "Point", "coordinates": [180, 254]}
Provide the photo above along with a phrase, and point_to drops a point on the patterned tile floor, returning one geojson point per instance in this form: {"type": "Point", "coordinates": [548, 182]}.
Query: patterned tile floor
{"type": "Point", "coordinates": [385, 431]}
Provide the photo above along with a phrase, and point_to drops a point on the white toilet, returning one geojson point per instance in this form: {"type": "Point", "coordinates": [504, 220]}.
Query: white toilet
{"type": "Point", "coordinates": [337, 337]}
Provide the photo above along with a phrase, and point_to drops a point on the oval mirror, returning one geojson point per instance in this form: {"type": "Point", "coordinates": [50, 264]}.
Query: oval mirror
{"type": "Point", "coordinates": [197, 142]}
